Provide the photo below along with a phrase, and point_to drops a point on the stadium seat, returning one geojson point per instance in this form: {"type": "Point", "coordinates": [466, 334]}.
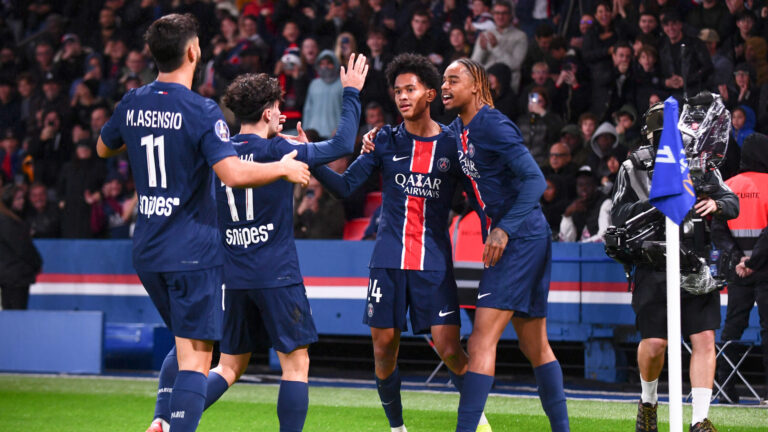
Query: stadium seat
{"type": "Point", "coordinates": [468, 242]}
{"type": "Point", "coordinates": [355, 228]}
{"type": "Point", "coordinates": [372, 202]}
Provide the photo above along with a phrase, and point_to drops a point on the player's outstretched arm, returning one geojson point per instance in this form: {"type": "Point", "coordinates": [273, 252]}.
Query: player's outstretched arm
{"type": "Point", "coordinates": [105, 152]}
{"type": "Point", "coordinates": [237, 173]}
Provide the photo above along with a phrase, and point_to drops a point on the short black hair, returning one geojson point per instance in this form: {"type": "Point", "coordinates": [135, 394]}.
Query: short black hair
{"type": "Point", "coordinates": [250, 94]}
{"type": "Point", "coordinates": [417, 65]}
{"type": "Point", "coordinates": [167, 38]}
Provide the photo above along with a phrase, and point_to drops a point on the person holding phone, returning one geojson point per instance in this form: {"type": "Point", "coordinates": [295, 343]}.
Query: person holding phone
{"type": "Point", "coordinates": [540, 127]}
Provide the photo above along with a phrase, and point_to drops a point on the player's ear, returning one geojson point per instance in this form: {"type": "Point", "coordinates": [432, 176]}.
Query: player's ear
{"type": "Point", "coordinates": [431, 94]}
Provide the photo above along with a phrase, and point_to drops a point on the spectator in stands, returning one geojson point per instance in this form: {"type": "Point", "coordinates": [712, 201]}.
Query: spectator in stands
{"type": "Point", "coordinates": [10, 108]}
{"type": "Point", "coordinates": [43, 64]}
{"type": "Point", "coordinates": [734, 46]}
{"type": "Point", "coordinates": [503, 44]}
{"type": "Point", "coordinates": [19, 260]}
{"type": "Point", "coordinates": [318, 214]}
{"type": "Point", "coordinates": [50, 148]}
{"type": "Point", "coordinates": [376, 89]}
{"type": "Point", "coordinates": [572, 96]}
{"type": "Point", "coordinates": [43, 216]}
{"type": "Point", "coordinates": [420, 40]}
{"type": "Point", "coordinates": [598, 42]}
{"type": "Point", "coordinates": [605, 142]}
{"type": "Point", "coordinates": [572, 136]}
{"type": "Point", "coordinates": [755, 54]}
{"type": "Point", "coordinates": [11, 157]}
{"type": "Point", "coordinates": [693, 70]}
{"type": "Point", "coordinates": [723, 67]}
{"type": "Point", "coordinates": [480, 20]}
{"type": "Point", "coordinates": [627, 127]}
{"type": "Point", "coordinates": [554, 202]}
{"type": "Point", "coordinates": [53, 96]}
{"type": "Point", "coordinates": [539, 78]}
{"type": "Point", "coordinates": [538, 50]}
{"type": "Point", "coordinates": [69, 62]}
{"type": "Point", "coordinates": [647, 78]}
{"type": "Point", "coordinates": [322, 109]}
{"type": "Point", "coordinates": [84, 101]}
{"type": "Point", "coordinates": [79, 189]}
{"type": "Point", "coordinates": [625, 16]}
{"type": "Point", "coordinates": [710, 14]}
{"type": "Point", "coordinates": [560, 164]}
{"type": "Point", "coordinates": [504, 99]}
{"type": "Point", "coordinates": [743, 121]}
{"type": "Point", "coordinates": [745, 241]}
{"type": "Point", "coordinates": [618, 155]}
{"type": "Point", "coordinates": [616, 88]}
{"type": "Point", "coordinates": [460, 47]}
{"type": "Point", "coordinates": [739, 89]}
{"type": "Point", "coordinates": [346, 44]}
{"type": "Point", "coordinates": [110, 216]}
{"type": "Point", "coordinates": [648, 24]}
{"type": "Point", "coordinates": [290, 37]}
{"type": "Point", "coordinates": [136, 66]}
{"type": "Point", "coordinates": [374, 117]}
{"type": "Point", "coordinates": [585, 25]}
{"type": "Point", "coordinates": [539, 127]}
{"type": "Point", "coordinates": [27, 88]}
{"type": "Point", "coordinates": [587, 218]}
{"type": "Point", "coordinates": [339, 19]}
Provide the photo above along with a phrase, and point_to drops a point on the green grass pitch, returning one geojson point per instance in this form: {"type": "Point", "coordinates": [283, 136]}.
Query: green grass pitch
{"type": "Point", "coordinates": [33, 403]}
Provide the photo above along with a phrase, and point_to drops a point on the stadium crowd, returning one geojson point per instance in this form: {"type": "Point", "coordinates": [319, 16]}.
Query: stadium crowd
{"type": "Point", "coordinates": [575, 76]}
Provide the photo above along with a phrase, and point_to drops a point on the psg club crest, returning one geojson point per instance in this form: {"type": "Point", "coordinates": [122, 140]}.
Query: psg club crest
{"type": "Point", "coordinates": [443, 164]}
{"type": "Point", "coordinates": [221, 130]}
{"type": "Point", "coordinates": [370, 310]}
{"type": "Point", "coordinates": [471, 150]}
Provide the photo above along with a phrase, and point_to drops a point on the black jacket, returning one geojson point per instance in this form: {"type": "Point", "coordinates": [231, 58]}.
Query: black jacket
{"type": "Point", "coordinates": [697, 60]}
{"type": "Point", "coordinates": [19, 260]}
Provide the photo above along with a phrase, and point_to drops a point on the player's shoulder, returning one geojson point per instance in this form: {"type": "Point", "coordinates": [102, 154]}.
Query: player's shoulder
{"type": "Point", "coordinates": [385, 136]}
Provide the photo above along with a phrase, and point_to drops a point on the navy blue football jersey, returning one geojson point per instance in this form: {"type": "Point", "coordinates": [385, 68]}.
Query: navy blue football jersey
{"type": "Point", "coordinates": [173, 136]}
{"type": "Point", "coordinates": [506, 181]}
{"type": "Point", "coordinates": [420, 175]}
{"type": "Point", "coordinates": [257, 224]}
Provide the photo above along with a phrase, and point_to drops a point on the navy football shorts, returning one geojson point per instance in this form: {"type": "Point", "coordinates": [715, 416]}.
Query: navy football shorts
{"type": "Point", "coordinates": [283, 312]}
{"type": "Point", "coordinates": [430, 295]}
{"type": "Point", "coordinates": [520, 280]}
{"type": "Point", "coordinates": [188, 301]}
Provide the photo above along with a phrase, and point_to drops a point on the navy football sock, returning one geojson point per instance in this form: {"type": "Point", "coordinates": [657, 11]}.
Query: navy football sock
{"type": "Point", "coordinates": [187, 401]}
{"type": "Point", "coordinates": [215, 387]}
{"type": "Point", "coordinates": [168, 372]}
{"type": "Point", "coordinates": [457, 380]}
{"type": "Point", "coordinates": [389, 393]}
{"type": "Point", "coordinates": [472, 401]}
{"type": "Point", "coordinates": [549, 378]}
{"type": "Point", "coordinates": [292, 405]}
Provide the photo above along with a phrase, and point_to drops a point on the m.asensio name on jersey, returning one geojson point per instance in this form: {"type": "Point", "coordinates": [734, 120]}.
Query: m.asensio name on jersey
{"type": "Point", "coordinates": [153, 119]}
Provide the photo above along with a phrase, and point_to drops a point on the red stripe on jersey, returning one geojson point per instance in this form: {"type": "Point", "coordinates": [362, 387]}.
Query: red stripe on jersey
{"type": "Point", "coordinates": [465, 147]}
{"type": "Point", "coordinates": [414, 228]}
{"type": "Point", "coordinates": [413, 234]}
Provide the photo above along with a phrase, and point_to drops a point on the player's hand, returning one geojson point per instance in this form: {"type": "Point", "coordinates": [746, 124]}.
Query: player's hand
{"type": "Point", "coordinates": [368, 145]}
{"type": "Point", "coordinates": [294, 171]}
{"type": "Point", "coordinates": [301, 137]}
{"type": "Point", "coordinates": [355, 72]}
{"type": "Point", "coordinates": [494, 247]}
{"type": "Point", "coordinates": [741, 268]}
{"type": "Point", "coordinates": [705, 207]}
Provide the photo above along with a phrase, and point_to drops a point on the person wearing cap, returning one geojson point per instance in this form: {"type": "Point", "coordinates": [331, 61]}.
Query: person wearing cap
{"type": "Point", "coordinates": [587, 218]}
{"type": "Point", "coordinates": [322, 108]}
{"type": "Point", "coordinates": [740, 90]}
{"type": "Point", "coordinates": [682, 73]}
{"type": "Point", "coordinates": [723, 67]}
{"type": "Point", "coordinates": [69, 61]}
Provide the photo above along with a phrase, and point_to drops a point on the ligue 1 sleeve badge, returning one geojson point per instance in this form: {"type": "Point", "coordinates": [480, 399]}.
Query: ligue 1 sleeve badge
{"type": "Point", "coordinates": [221, 130]}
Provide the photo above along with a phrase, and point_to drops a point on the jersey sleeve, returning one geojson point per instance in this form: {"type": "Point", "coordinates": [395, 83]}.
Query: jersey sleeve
{"type": "Point", "coordinates": [342, 185]}
{"type": "Point", "coordinates": [110, 132]}
{"type": "Point", "coordinates": [343, 142]}
{"type": "Point", "coordinates": [281, 147]}
{"type": "Point", "coordinates": [504, 138]}
{"type": "Point", "coordinates": [215, 144]}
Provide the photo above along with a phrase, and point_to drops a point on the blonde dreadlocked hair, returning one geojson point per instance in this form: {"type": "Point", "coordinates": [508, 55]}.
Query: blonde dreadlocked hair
{"type": "Point", "coordinates": [481, 77]}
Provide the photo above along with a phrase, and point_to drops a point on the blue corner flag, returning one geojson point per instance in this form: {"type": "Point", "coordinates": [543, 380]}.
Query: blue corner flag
{"type": "Point", "coordinates": [671, 187]}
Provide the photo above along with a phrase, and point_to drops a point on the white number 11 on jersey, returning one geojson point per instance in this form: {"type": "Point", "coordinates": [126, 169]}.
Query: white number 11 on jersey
{"type": "Point", "coordinates": [149, 143]}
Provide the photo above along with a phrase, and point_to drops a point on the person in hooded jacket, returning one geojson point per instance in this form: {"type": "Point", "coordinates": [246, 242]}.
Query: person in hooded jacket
{"type": "Point", "coordinates": [605, 143]}
{"type": "Point", "coordinates": [19, 260]}
{"type": "Point", "coordinates": [322, 108]}
{"type": "Point", "coordinates": [504, 98]}
{"type": "Point", "coordinates": [745, 241]}
{"type": "Point", "coordinates": [743, 121]}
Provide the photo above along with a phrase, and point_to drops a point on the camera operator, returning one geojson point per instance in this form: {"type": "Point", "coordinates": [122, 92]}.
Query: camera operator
{"type": "Point", "coordinates": [700, 314]}
{"type": "Point", "coordinates": [745, 242]}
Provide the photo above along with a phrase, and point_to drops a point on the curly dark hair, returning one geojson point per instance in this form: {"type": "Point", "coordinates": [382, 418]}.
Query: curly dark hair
{"type": "Point", "coordinates": [417, 65]}
{"type": "Point", "coordinates": [250, 94]}
{"type": "Point", "coordinates": [167, 38]}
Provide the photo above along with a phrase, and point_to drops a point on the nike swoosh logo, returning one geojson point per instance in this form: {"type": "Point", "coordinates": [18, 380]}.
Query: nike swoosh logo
{"type": "Point", "coordinates": [395, 158]}
{"type": "Point", "coordinates": [483, 295]}
{"type": "Point", "coordinates": [445, 314]}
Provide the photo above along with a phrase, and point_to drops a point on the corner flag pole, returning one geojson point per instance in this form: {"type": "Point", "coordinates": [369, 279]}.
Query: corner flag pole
{"type": "Point", "coordinates": [675, 368]}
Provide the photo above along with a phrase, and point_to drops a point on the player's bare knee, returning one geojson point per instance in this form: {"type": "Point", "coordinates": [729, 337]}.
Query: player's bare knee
{"type": "Point", "coordinates": [703, 342]}
{"type": "Point", "coordinates": [656, 347]}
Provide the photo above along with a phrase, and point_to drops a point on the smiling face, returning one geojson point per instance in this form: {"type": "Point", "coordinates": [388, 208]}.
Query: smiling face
{"type": "Point", "coordinates": [459, 88]}
{"type": "Point", "coordinates": [412, 96]}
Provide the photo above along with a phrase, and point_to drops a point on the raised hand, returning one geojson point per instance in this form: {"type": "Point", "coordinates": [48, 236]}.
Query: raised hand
{"type": "Point", "coordinates": [355, 72]}
{"type": "Point", "coordinates": [301, 137]}
{"type": "Point", "coordinates": [294, 171]}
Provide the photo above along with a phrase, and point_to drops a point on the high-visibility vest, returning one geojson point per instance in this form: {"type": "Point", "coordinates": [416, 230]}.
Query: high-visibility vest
{"type": "Point", "coordinates": [752, 190]}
